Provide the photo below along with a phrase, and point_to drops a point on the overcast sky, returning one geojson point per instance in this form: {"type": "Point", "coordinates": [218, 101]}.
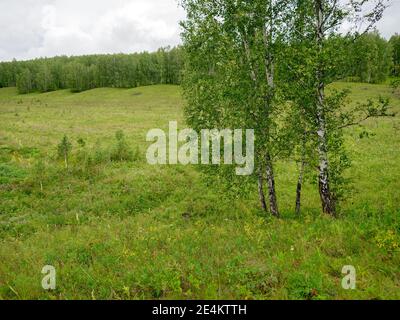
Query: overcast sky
{"type": "Point", "coordinates": [39, 28]}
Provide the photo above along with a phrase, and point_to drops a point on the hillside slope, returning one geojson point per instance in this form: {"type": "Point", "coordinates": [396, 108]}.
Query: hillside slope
{"type": "Point", "coordinates": [128, 230]}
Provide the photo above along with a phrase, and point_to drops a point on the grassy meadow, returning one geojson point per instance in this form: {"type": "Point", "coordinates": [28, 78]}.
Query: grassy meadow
{"type": "Point", "coordinates": [122, 229]}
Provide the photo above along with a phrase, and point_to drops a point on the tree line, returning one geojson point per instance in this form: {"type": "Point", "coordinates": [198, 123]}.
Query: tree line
{"type": "Point", "coordinates": [93, 71]}
{"type": "Point", "coordinates": [370, 58]}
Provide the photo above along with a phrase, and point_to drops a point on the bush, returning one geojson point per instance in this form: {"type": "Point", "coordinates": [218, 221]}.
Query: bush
{"type": "Point", "coordinates": [63, 149]}
{"type": "Point", "coordinates": [121, 150]}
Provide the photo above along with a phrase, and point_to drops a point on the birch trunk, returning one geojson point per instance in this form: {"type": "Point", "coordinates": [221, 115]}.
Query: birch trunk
{"type": "Point", "coordinates": [261, 191]}
{"type": "Point", "coordinates": [273, 203]}
{"type": "Point", "coordinates": [253, 77]}
{"type": "Point", "coordinates": [269, 77]}
{"type": "Point", "coordinates": [269, 74]}
{"type": "Point", "coordinates": [324, 183]}
{"type": "Point", "coordinates": [299, 187]}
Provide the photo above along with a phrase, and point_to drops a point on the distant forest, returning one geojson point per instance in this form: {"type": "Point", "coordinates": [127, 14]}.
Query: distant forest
{"type": "Point", "coordinates": [370, 58]}
{"type": "Point", "coordinates": [82, 73]}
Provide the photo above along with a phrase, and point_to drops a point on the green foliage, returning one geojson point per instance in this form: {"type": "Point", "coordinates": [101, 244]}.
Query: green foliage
{"type": "Point", "coordinates": [81, 142]}
{"type": "Point", "coordinates": [25, 81]}
{"type": "Point", "coordinates": [228, 77]}
{"type": "Point", "coordinates": [388, 241]}
{"type": "Point", "coordinates": [121, 151]}
{"type": "Point", "coordinates": [395, 84]}
{"type": "Point", "coordinates": [10, 173]}
{"type": "Point", "coordinates": [395, 44]}
{"type": "Point", "coordinates": [44, 80]}
{"type": "Point", "coordinates": [373, 61]}
{"type": "Point", "coordinates": [39, 172]}
{"type": "Point", "coordinates": [87, 72]}
{"type": "Point", "coordinates": [135, 231]}
{"type": "Point", "coordinates": [305, 286]}
{"type": "Point", "coordinates": [368, 58]}
{"type": "Point", "coordinates": [63, 149]}
{"type": "Point", "coordinates": [81, 77]}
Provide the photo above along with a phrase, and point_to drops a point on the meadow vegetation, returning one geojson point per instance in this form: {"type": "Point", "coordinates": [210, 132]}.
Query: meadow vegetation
{"type": "Point", "coordinates": [115, 227]}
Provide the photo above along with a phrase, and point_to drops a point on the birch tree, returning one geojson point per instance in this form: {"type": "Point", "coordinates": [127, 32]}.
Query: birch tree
{"type": "Point", "coordinates": [231, 49]}
{"type": "Point", "coordinates": [324, 20]}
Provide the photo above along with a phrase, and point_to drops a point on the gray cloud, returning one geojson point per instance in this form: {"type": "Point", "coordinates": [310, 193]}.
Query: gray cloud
{"type": "Point", "coordinates": [38, 28]}
{"type": "Point", "coordinates": [390, 24]}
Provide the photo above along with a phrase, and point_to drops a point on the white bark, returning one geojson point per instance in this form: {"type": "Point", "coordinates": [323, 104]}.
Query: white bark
{"type": "Point", "coordinates": [324, 183]}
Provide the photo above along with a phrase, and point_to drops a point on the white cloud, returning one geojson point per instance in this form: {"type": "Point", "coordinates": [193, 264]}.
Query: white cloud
{"type": "Point", "coordinates": [38, 28]}
{"type": "Point", "coordinates": [390, 24]}
{"type": "Point", "coordinates": [35, 28]}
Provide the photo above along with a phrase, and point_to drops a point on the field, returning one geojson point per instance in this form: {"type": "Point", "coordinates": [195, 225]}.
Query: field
{"type": "Point", "coordinates": [122, 229]}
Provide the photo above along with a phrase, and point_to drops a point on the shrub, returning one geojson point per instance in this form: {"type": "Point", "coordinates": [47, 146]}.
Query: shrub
{"type": "Point", "coordinates": [64, 148]}
{"type": "Point", "coordinates": [121, 150]}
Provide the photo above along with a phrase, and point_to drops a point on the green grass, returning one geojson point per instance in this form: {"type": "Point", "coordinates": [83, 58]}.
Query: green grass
{"type": "Point", "coordinates": [127, 230]}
